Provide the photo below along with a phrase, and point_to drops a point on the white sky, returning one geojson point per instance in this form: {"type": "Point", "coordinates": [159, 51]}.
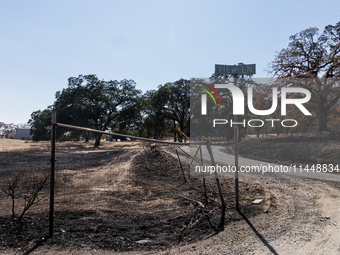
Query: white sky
{"type": "Point", "coordinates": [43, 43]}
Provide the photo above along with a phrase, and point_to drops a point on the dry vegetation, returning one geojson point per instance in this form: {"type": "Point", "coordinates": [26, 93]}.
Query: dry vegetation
{"type": "Point", "coordinates": [132, 197]}
{"type": "Point", "coordinates": [125, 196]}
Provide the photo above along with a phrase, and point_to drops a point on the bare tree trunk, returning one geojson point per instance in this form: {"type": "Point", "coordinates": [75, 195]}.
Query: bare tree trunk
{"type": "Point", "coordinates": [277, 129]}
{"type": "Point", "coordinates": [98, 137]}
{"type": "Point", "coordinates": [174, 131]}
{"type": "Point", "coordinates": [13, 213]}
{"type": "Point", "coordinates": [257, 132]}
{"type": "Point", "coordinates": [86, 136]}
{"type": "Point", "coordinates": [323, 119]}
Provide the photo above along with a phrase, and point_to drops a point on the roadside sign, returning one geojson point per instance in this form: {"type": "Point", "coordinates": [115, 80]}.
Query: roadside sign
{"type": "Point", "coordinates": [235, 69]}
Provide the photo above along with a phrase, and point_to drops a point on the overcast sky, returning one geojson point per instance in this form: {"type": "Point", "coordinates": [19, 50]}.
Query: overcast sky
{"type": "Point", "coordinates": [43, 43]}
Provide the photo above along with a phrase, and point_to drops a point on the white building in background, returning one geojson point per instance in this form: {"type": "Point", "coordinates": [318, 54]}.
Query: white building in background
{"type": "Point", "coordinates": [11, 135]}
{"type": "Point", "coordinates": [22, 133]}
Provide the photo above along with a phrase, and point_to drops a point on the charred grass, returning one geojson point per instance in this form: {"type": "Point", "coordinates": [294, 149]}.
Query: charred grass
{"type": "Point", "coordinates": [123, 198]}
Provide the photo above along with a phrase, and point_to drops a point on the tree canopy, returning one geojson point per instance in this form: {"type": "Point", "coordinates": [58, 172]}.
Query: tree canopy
{"type": "Point", "coordinates": [94, 103]}
{"type": "Point", "coordinates": [40, 123]}
{"type": "Point", "coordinates": [117, 106]}
{"type": "Point", "coordinates": [167, 109]}
{"type": "Point", "coordinates": [314, 56]}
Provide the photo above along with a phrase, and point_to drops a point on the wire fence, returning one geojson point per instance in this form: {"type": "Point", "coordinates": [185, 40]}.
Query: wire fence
{"type": "Point", "coordinates": [117, 195]}
{"type": "Point", "coordinates": [196, 143]}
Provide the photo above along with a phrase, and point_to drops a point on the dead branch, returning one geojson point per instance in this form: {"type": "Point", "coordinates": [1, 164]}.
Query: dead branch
{"type": "Point", "coordinates": [10, 188]}
{"type": "Point", "coordinates": [185, 180]}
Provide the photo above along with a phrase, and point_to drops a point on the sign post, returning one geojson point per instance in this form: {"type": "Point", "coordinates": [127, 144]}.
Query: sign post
{"type": "Point", "coordinates": [236, 134]}
{"type": "Point", "coordinates": [236, 71]}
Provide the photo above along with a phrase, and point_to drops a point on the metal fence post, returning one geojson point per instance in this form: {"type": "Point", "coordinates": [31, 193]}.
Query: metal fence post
{"type": "Point", "coordinates": [221, 227]}
{"type": "Point", "coordinates": [52, 174]}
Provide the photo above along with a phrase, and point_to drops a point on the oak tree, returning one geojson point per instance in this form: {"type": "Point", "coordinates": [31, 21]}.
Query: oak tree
{"type": "Point", "coordinates": [94, 103]}
{"type": "Point", "coordinates": [317, 57]}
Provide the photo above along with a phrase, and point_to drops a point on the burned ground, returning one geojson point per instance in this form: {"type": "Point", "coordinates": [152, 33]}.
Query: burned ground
{"type": "Point", "coordinates": [128, 197]}
{"type": "Point", "coordinates": [132, 197]}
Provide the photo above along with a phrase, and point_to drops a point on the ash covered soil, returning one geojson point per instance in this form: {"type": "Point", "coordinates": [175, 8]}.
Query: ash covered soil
{"type": "Point", "coordinates": [132, 198]}
{"type": "Point", "coordinates": [129, 197]}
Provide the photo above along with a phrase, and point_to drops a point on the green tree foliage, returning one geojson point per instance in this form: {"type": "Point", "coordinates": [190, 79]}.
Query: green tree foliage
{"type": "Point", "coordinates": [155, 123]}
{"type": "Point", "coordinates": [310, 55]}
{"type": "Point", "coordinates": [94, 103]}
{"type": "Point", "coordinates": [167, 109]}
{"type": "Point", "coordinates": [131, 119]}
{"type": "Point", "coordinates": [117, 106]}
{"type": "Point", "coordinates": [179, 104]}
{"type": "Point", "coordinates": [40, 123]}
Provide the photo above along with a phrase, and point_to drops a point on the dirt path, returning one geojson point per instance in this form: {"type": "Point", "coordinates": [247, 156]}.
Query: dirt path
{"type": "Point", "coordinates": [306, 222]}
{"type": "Point", "coordinates": [325, 240]}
